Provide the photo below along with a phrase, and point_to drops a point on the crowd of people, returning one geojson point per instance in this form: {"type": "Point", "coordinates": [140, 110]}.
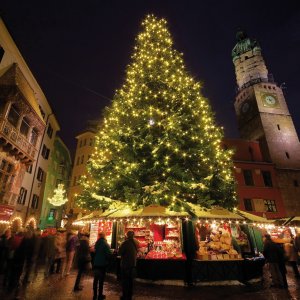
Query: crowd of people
{"type": "Point", "coordinates": [278, 256]}
{"type": "Point", "coordinates": [26, 253]}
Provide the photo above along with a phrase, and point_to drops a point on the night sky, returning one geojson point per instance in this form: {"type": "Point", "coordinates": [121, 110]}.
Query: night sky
{"type": "Point", "coordinates": [78, 50]}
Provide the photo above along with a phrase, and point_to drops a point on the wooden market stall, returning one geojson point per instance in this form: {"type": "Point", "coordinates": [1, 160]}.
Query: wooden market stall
{"type": "Point", "coordinates": [222, 241]}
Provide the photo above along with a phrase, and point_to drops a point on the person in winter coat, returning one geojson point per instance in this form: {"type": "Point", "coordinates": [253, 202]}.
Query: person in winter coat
{"type": "Point", "coordinates": [128, 251]}
{"type": "Point", "coordinates": [83, 259]}
{"type": "Point", "coordinates": [48, 241]}
{"type": "Point", "coordinates": [60, 251]}
{"type": "Point", "coordinates": [275, 258]}
{"type": "Point", "coordinates": [101, 260]}
{"type": "Point", "coordinates": [72, 243]}
{"type": "Point", "coordinates": [292, 256]}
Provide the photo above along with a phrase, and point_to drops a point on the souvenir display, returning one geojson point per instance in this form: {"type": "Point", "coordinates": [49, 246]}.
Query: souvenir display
{"type": "Point", "coordinates": [157, 240]}
{"type": "Point", "coordinates": [217, 244]}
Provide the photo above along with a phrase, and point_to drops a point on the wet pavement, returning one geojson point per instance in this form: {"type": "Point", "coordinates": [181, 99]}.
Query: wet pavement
{"type": "Point", "coordinates": [61, 289]}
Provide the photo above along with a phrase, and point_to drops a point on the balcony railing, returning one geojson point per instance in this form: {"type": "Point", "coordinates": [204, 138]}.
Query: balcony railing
{"type": "Point", "coordinates": [14, 136]}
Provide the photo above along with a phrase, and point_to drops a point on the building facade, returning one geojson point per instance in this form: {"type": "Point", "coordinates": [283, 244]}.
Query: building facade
{"type": "Point", "coordinates": [59, 171]}
{"type": "Point", "coordinates": [84, 150]}
{"type": "Point", "coordinates": [28, 128]}
{"type": "Point", "coordinates": [263, 116]}
{"type": "Point", "coordinates": [257, 187]}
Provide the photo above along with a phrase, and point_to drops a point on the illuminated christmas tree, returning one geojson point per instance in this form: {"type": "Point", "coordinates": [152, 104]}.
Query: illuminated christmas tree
{"type": "Point", "coordinates": [58, 198]}
{"type": "Point", "coordinates": [159, 143]}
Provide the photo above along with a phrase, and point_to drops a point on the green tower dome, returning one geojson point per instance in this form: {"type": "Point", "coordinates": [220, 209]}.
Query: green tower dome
{"type": "Point", "coordinates": [244, 44]}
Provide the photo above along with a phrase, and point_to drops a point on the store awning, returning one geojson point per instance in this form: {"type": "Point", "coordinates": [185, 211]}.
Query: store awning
{"type": "Point", "coordinates": [253, 218]}
{"type": "Point", "coordinates": [214, 213]}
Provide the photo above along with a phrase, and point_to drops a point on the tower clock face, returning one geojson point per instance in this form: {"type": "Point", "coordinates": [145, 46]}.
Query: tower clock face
{"type": "Point", "coordinates": [269, 100]}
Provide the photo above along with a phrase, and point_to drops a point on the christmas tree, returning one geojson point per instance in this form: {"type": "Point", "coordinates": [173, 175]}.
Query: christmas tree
{"type": "Point", "coordinates": [58, 198]}
{"type": "Point", "coordinates": [159, 143]}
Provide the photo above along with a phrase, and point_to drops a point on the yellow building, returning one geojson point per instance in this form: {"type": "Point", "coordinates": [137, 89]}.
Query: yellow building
{"type": "Point", "coordinates": [84, 149]}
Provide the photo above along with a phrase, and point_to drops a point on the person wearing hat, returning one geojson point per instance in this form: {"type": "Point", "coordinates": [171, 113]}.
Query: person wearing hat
{"type": "Point", "coordinates": [128, 252]}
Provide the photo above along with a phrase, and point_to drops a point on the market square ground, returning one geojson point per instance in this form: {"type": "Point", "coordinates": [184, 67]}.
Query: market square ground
{"type": "Point", "coordinates": [61, 289]}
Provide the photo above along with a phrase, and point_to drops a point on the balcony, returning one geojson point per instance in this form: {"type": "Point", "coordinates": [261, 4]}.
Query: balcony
{"type": "Point", "coordinates": [15, 143]}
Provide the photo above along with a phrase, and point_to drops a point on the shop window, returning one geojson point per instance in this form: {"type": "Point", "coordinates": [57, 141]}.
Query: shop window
{"type": "Point", "coordinates": [45, 152]}
{"type": "Point", "coordinates": [267, 178]}
{"type": "Point", "coordinates": [49, 131]}
{"type": "Point", "coordinates": [35, 201]}
{"type": "Point", "coordinates": [13, 116]}
{"type": "Point", "coordinates": [40, 175]}
{"type": "Point", "coordinates": [22, 196]}
{"type": "Point", "coordinates": [6, 175]}
{"type": "Point", "coordinates": [24, 129]}
{"type": "Point", "coordinates": [248, 204]}
{"type": "Point", "coordinates": [52, 214]}
{"type": "Point", "coordinates": [296, 183]}
{"type": "Point", "coordinates": [270, 205]}
{"type": "Point", "coordinates": [248, 177]}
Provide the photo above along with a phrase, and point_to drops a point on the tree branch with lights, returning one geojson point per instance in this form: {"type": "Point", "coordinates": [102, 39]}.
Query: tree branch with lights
{"type": "Point", "coordinates": [159, 143]}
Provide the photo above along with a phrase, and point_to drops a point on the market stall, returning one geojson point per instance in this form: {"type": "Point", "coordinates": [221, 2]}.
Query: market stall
{"type": "Point", "coordinates": [159, 232]}
{"type": "Point", "coordinates": [223, 244]}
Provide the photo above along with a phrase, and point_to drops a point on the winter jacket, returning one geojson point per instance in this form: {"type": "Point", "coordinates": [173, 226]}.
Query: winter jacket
{"type": "Point", "coordinates": [273, 253]}
{"type": "Point", "coordinates": [83, 250]}
{"type": "Point", "coordinates": [102, 253]}
{"type": "Point", "coordinates": [290, 252]}
{"type": "Point", "coordinates": [72, 243]}
{"type": "Point", "coordinates": [60, 245]}
{"type": "Point", "coordinates": [128, 251]}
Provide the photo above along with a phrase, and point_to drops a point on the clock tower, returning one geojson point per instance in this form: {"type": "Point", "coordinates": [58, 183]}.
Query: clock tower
{"type": "Point", "coordinates": [263, 115]}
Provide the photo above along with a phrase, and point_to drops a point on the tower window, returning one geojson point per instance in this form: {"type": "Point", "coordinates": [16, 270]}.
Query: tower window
{"type": "Point", "coordinates": [248, 204]}
{"type": "Point", "coordinates": [287, 155]}
{"type": "Point", "coordinates": [248, 177]}
{"type": "Point", "coordinates": [267, 178]}
{"type": "Point", "coordinates": [278, 126]}
{"type": "Point", "coordinates": [251, 153]}
{"type": "Point", "coordinates": [296, 184]}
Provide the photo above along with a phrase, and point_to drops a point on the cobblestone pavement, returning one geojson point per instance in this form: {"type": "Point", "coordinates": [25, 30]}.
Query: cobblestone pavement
{"type": "Point", "coordinates": [61, 289]}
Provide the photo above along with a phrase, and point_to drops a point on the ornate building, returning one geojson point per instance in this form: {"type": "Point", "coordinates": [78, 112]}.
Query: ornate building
{"type": "Point", "coordinates": [263, 116]}
{"type": "Point", "coordinates": [27, 130]}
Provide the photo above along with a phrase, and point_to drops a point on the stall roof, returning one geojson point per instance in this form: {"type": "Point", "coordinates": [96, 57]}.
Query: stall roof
{"type": "Point", "coordinates": [214, 213]}
{"type": "Point", "coordinates": [254, 218]}
{"type": "Point", "coordinates": [148, 211]}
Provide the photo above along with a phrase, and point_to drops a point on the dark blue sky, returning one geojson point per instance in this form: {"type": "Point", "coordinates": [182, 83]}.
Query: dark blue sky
{"type": "Point", "coordinates": [78, 50]}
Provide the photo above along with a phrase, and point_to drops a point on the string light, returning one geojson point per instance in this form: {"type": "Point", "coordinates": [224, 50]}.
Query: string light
{"type": "Point", "coordinates": [158, 128]}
